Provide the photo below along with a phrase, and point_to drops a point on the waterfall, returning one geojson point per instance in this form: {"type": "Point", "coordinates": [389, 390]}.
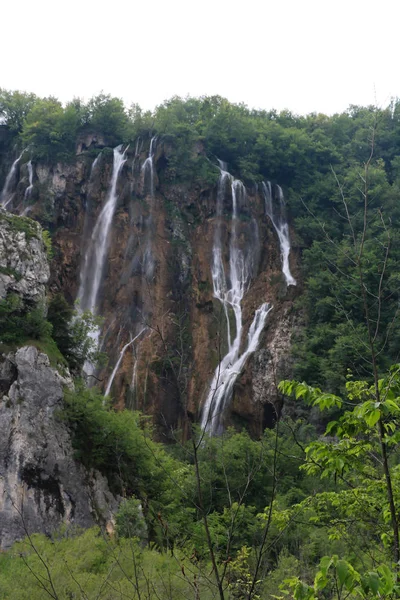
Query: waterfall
{"type": "Point", "coordinates": [93, 167]}
{"type": "Point", "coordinates": [138, 149]}
{"type": "Point", "coordinates": [29, 189]}
{"type": "Point", "coordinates": [148, 165]}
{"type": "Point", "coordinates": [121, 355]}
{"type": "Point", "coordinates": [88, 255]}
{"type": "Point", "coordinates": [148, 171]}
{"type": "Point", "coordinates": [7, 195]}
{"type": "Point", "coordinates": [281, 226]}
{"type": "Point", "coordinates": [95, 257]}
{"type": "Point", "coordinates": [230, 292]}
{"type": "Point", "coordinates": [96, 253]}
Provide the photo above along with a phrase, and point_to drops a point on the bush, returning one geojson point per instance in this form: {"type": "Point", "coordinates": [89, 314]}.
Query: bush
{"type": "Point", "coordinates": [18, 325]}
{"type": "Point", "coordinates": [130, 520]}
{"type": "Point", "coordinates": [71, 332]}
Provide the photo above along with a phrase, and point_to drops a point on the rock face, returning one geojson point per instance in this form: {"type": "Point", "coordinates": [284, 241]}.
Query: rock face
{"type": "Point", "coordinates": [156, 280]}
{"type": "Point", "coordinates": [41, 486]}
{"type": "Point", "coordinates": [24, 269]}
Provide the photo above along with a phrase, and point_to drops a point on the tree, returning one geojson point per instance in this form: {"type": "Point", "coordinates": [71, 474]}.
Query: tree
{"type": "Point", "coordinates": [72, 332]}
{"type": "Point", "coordinates": [107, 115]}
{"type": "Point", "coordinates": [360, 450]}
{"type": "Point", "coordinates": [15, 107]}
{"type": "Point", "coordinates": [50, 129]}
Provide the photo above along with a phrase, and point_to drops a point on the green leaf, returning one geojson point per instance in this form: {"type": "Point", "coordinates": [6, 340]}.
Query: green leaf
{"type": "Point", "coordinates": [373, 582]}
{"type": "Point", "coordinates": [373, 417]}
{"type": "Point", "coordinates": [342, 569]}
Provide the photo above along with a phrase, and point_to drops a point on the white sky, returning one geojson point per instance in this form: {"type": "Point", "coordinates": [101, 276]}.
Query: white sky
{"type": "Point", "coordinates": [304, 55]}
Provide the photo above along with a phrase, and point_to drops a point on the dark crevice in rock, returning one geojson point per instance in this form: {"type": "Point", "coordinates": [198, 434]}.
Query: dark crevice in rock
{"type": "Point", "coordinates": [35, 478]}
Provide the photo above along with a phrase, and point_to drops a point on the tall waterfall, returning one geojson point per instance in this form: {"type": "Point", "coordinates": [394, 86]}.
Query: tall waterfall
{"type": "Point", "coordinates": [7, 193]}
{"type": "Point", "coordinates": [148, 172]}
{"type": "Point", "coordinates": [96, 254]}
{"type": "Point", "coordinates": [29, 189]}
{"type": "Point", "coordinates": [230, 292]}
{"type": "Point", "coordinates": [276, 212]}
{"type": "Point", "coordinates": [148, 165]}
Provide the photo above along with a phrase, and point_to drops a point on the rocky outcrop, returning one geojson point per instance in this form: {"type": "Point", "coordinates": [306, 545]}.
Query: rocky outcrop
{"type": "Point", "coordinates": [24, 269]}
{"type": "Point", "coordinates": [41, 485]}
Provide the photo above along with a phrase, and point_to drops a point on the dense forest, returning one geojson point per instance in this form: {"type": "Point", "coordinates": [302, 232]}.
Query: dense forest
{"type": "Point", "coordinates": [303, 512]}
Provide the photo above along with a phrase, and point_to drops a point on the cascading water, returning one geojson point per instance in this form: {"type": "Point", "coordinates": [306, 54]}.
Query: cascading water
{"type": "Point", "coordinates": [29, 189]}
{"type": "Point", "coordinates": [138, 150]}
{"type": "Point", "coordinates": [94, 166]}
{"type": "Point", "coordinates": [121, 355]}
{"type": "Point", "coordinates": [7, 193]}
{"type": "Point", "coordinates": [148, 173]}
{"type": "Point", "coordinates": [86, 232]}
{"type": "Point", "coordinates": [230, 292]}
{"type": "Point", "coordinates": [148, 165]}
{"type": "Point", "coordinates": [281, 226]}
{"type": "Point", "coordinates": [93, 264]}
{"type": "Point", "coordinates": [96, 254]}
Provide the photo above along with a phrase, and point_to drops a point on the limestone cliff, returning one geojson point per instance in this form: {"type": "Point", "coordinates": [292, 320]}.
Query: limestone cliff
{"type": "Point", "coordinates": [24, 269]}
{"type": "Point", "coordinates": [41, 485]}
{"type": "Point", "coordinates": [156, 281]}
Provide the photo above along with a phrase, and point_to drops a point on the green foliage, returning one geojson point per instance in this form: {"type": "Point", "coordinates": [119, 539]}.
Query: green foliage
{"type": "Point", "coordinates": [51, 130]}
{"type": "Point", "coordinates": [362, 456]}
{"type": "Point", "coordinates": [239, 576]}
{"type": "Point", "coordinates": [130, 521]}
{"type": "Point", "coordinates": [337, 576]}
{"type": "Point", "coordinates": [104, 438]}
{"type": "Point", "coordinates": [18, 325]}
{"type": "Point", "coordinates": [108, 116]}
{"type": "Point", "coordinates": [90, 565]}
{"type": "Point", "coordinates": [14, 108]}
{"type": "Point", "coordinates": [30, 228]}
{"type": "Point", "coordinates": [72, 333]}
{"type": "Point", "coordinates": [11, 272]}
{"type": "Point", "coordinates": [47, 244]}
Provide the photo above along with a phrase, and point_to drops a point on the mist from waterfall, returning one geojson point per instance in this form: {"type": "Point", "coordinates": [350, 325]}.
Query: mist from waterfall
{"type": "Point", "coordinates": [230, 290]}
{"type": "Point", "coordinates": [275, 210]}
{"type": "Point", "coordinates": [7, 193]}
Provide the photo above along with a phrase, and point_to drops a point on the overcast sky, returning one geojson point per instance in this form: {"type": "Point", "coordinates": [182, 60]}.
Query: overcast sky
{"type": "Point", "coordinates": [304, 55]}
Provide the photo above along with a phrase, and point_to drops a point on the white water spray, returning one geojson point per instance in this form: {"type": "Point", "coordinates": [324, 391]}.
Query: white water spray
{"type": "Point", "coordinates": [96, 254]}
{"type": "Point", "coordinates": [121, 356]}
{"type": "Point", "coordinates": [92, 269]}
{"type": "Point", "coordinates": [230, 292]}
{"type": "Point", "coordinates": [29, 189]}
{"type": "Point", "coordinates": [148, 172]}
{"type": "Point", "coordinates": [148, 165]}
{"type": "Point", "coordinates": [7, 194]}
{"type": "Point", "coordinates": [281, 226]}
{"type": "Point", "coordinates": [94, 166]}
